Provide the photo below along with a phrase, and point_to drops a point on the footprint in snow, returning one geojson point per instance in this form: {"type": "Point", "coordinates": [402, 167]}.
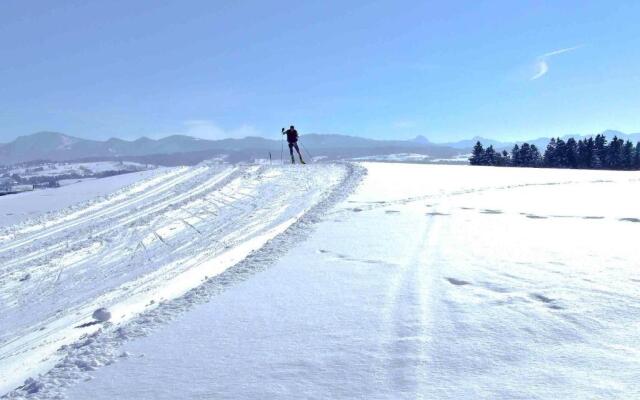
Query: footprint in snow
{"type": "Point", "coordinates": [541, 297]}
{"type": "Point", "coordinates": [495, 288]}
{"type": "Point", "coordinates": [556, 263]}
{"type": "Point", "coordinates": [549, 302]}
{"type": "Point", "coordinates": [457, 282]}
{"type": "Point", "coordinates": [337, 255]}
{"type": "Point", "coordinates": [630, 219]}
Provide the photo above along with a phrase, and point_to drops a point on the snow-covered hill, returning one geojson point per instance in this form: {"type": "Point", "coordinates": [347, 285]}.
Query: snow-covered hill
{"type": "Point", "coordinates": [428, 281]}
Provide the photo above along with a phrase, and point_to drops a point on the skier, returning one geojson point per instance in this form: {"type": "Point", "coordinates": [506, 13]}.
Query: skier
{"type": "Point", "coordinates": [292, 139]}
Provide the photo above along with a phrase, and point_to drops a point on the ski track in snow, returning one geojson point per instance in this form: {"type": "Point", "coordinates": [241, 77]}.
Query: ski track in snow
{"type": "Point", "coordinates": [137, 252]}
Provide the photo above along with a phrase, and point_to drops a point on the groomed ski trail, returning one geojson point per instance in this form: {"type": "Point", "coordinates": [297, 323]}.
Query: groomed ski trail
{"type": "Point", "coordinates": [142, 246]}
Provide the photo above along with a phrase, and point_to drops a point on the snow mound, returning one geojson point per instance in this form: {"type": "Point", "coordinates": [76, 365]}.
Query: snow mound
{"type": "Point", "coordinates": [102, 314]}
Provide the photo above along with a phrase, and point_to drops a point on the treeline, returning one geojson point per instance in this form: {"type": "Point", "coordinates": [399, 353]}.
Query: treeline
{"type": "Point", "coordinates": [590, 153]}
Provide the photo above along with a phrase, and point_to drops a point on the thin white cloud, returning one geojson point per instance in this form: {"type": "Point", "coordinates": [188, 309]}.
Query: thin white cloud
{"type": "Point", "coordinates": [542, 64]}
{"type": "Point", "coordinates": [207, 129]}
{"type": "Point", "coordinates": [542, 68]}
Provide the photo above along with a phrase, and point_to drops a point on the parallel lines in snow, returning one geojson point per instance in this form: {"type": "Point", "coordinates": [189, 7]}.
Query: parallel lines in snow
{"type": "Point", "coordinates": [97, 215]}
{"type": "Point", "coordinates": [162, 203]}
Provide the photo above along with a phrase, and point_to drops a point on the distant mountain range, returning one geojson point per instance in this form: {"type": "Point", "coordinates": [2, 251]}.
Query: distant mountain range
{"type": "Point", "coordinates": [177, 149]}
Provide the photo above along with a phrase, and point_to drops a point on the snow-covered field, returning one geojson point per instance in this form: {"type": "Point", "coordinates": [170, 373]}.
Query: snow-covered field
{"type": "Point", "coordinates": [415, 157]}
{"type": "Point", "coordinates": [398, 157]}
{"type": "Point", "coordinates": [428, 281]}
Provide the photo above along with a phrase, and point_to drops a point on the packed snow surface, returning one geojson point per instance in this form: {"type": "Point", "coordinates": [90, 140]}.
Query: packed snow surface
{"type": "Point", "coordinates": [428, 282]}
{"type": "Point", "coordinates": [128, 251]}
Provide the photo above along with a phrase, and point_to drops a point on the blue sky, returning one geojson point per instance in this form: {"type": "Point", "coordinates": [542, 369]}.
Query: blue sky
{"type": "Point", "coordinates": [448, 70]}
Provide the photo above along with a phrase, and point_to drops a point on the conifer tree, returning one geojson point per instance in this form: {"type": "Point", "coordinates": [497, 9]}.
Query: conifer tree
{"type": "Point", "coordinates": [627, 155]}
{"type": "Point", "coordinates": [600, 149]}
{"type": "Point", "coordinates": [516, 161]}
{"type": "Point", "coordinates": [477, 156]}
{"type": "Point", "coordinates": [550, 154]}
{"type": "Point", "coordinates": [561, 154]}
{"type": "Point", "coordinates": [571, 151]}
{"type": "Point", "coordinates": [588, 155]}
{"type": "Point", "coordinates": [614, 154]}
{"type": "Point", "coordinates": [507, 158]}
{"type": "Point", "coordinates": [581, 150]}
{"type": "Point", "coordinates": [490, 156]}
{"type": "Point", "coordinates": [525, 155]}
{"type": "Point", "coordinates": [536, 158]}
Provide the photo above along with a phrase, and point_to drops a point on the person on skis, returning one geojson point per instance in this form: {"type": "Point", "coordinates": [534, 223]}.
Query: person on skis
{"type": "Point", "coordinates": [292, 139]}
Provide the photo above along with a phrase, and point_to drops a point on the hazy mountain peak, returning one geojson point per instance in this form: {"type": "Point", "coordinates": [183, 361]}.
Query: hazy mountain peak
{"type": "Point", "coordinates": [46, 135]}
{"type": "Point", "coordinates": [421, 139]}
{"type": "Point", "coordinates": [46, 140]}
{"type": "Point", "coordinates": [179, 137]}
{"type": "Point", "coordinates": [610, 133]}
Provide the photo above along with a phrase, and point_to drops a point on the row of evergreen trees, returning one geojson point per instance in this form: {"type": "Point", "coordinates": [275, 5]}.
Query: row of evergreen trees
{"type": "Point", "coordinates": [590, 153]}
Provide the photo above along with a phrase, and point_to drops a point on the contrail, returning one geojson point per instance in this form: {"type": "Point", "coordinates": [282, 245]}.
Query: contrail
{"type": "Point", "coordinates": [543, 66]}
{"type": "Point", "coordinates": [553, 53]}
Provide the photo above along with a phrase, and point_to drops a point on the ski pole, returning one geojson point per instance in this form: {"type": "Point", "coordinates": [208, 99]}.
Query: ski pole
{"type": "Point", "coordinates": [281, 147]}
{"type": "Point", "coordinates": [306, 151]}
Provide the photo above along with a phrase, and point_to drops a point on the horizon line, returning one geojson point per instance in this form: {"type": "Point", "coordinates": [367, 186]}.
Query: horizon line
{"type": "Point", "coordinates": [419, 136]}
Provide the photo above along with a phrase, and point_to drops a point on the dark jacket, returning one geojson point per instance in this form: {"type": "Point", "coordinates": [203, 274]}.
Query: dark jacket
{"type": "Point", "coordinates": [292, 135]}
